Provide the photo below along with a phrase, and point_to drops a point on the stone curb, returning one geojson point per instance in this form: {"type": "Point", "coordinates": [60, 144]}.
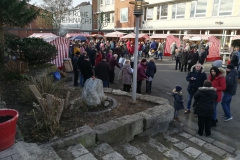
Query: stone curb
{"type": "Point", "coordinates": [123, 129]}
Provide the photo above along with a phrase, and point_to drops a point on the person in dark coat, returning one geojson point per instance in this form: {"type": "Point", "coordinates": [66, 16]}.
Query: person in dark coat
{"type": "Point", "coordinates": [195, 77]}
{"type": "Point", "coordinates": [113, 62]}
{"type": "Point", "coordinates": [102, 71]}
{"type": "Point", "coordinates": [234, 59]}
{"type": "Point", "coordinates": [202, 56]}
{"type": "Point", "coordinates": [150, 71]}
{"type": "Point", "coordinates": [184, 59]}
{"type": "Point", "coordinates": [86, 69]}
{"type": "Point", "coordinates": [192, 58]}
{"type": "Point", "coordinates": [205, 99]}
{"type": "Point", "coordinates": [92, 56]}
{"type": "Point", "coordinates": [178, 56]}
{"type": "Point", "coordinates": [231, 89]}
{"type": "Point", "coordinates": [178, 101]}
{"type": "Point", "coordinates": [141, 74]}
{"type": "Point", "coordinates": [75, 68]}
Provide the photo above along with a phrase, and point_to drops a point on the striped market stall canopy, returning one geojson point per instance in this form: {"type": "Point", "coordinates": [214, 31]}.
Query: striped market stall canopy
{"type": "Point", "coordinates": [69, 35]}
{"type": "Point", "coordinates": [213, 42]}
{"type": "Point", "coordinates": [62, 45]}
{"type": "Point", "coordinates": [169, 40]}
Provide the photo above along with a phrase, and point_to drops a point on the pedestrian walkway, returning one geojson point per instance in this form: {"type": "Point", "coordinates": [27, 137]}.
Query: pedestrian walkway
{"type": "Point", "coordinates": [181, 146]}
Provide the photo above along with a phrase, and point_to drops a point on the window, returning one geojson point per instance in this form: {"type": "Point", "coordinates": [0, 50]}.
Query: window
{"type": "Point", "coordinates": [198, 8]}
{"type": "Point", "coordinates": [101, 2]}
{"type": "Point", "coordinates": [162, 12]}
{"type": "Point", "coordinates": [112, 17]}
{"type": "Point", "coordinates": [222, 7]}
{"type": "Point", "coordinates": [150, 13]}
{"type": "Point", "coordinates": [178, 10]}
{"type": "Point", "coordinates": [124, 15]}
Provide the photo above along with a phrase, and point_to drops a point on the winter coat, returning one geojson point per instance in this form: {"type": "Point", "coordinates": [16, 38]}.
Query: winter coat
{"type": "Point", "coordinates": [140, 47]}
{"type": "Point", "coordinates": [131, 50]}
{"type": "Point", "coordinates": [234, 58]}
{"type": "Point", "coordinates": [86, 69]}
{"type": "Point", "coordinates": [98, 58]}
{"type": "Point", "coordinates": [219, 83]}
{"type": "Point", "coordinates": [118, 51]}
{"type": "Point", "coordinates": [202, 57]}
{"type": "Point", "coordinates": [231, 82]}
{"type": "Point", "coordinates": [160, 47]}
{"type": "Point", "coordinates": [80, 61]}
{"type": "Point", "coordinates": [74, 63]}
{"type": "Point", "coordinates": [153, 45]}
{"type": "Point", "coordinates": [127, 74]}
{"type": "Point", "coordinates": [141, 72]}
{"type": "Point", "coordinates": [200, 77]}
{"type": "Point", "coordinates": [193, 57]}
{"type": "Point", "coordinates": [205, 99]}
{"type": "Point", "coordinates": [173, 47]}
{"type": "Point", "coordinates": [151, 69]}
{"type": "Point", "coordinates": [113, 62]}
{"type": "Point", "coordinates": [178, 100]}
{"type": "Point", "coordinates": [178, 56]}
{"type": "Point", "coordinates": [102, 70]}
{"type": "Point", "coordinates": [184, 57]}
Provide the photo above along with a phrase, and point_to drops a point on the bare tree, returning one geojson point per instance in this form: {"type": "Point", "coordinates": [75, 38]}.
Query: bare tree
{"type": "Point", "coordinates": [57, 8]}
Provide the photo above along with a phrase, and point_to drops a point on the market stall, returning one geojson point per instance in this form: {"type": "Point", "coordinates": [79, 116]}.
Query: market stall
{"type": "Point", "coordinates": [211, 40]}
{"type": "Point", "coordinates": [169, 39]}
{"type": "Point", "coordinates": [69, 35]}
{"type": "Point", "coordinates": [62, 45]}
{"type": "Point", "coordinates": [115, 34]}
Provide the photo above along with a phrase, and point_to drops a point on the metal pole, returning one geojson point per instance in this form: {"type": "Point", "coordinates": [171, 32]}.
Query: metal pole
{"type": "Point", "coordinates": [134, 88]}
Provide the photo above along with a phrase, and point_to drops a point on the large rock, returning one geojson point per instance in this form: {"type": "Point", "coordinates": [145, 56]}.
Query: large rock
{"type": "Point", "coordinates": [93, 94]}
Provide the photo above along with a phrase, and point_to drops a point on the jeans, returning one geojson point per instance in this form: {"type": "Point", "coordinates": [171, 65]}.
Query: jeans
{"type": "Point", "coordinates": [215, 111]}
{"type": "Point", "coordinates": [81, 79]}
{"type": "Point", "coordinates": [160, 55]}
{"type": "Point", "coordinates": [105, 84]}
{"type": "Point", "coordinates": [139, 53]}
{"type": "Point", "coordinates": [226, 101]}
{"type": "Point", "coordinates": [178, 64]}
{"type": "Point", "coordinates": [189, 101]}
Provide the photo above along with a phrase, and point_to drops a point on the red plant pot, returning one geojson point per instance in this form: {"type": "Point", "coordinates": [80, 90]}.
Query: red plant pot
{"type": "Point", "coordinates": [8, 128]}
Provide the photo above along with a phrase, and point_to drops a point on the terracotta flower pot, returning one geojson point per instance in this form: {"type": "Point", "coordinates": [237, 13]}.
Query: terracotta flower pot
{"type": "Point", "coordinates": [8, 121]}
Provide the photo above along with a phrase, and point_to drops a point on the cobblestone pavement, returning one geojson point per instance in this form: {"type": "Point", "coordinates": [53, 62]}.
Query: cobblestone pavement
{"type": "Point", "coordinates": [181, 146]}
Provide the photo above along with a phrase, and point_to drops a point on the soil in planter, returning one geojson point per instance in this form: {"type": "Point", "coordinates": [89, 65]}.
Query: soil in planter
{"type": "Point", "coordinates": [5, 118]}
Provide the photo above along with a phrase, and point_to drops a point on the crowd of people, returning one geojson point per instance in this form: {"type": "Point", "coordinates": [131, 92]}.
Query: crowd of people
{"type": "Point", "coordinates": [99, 58]}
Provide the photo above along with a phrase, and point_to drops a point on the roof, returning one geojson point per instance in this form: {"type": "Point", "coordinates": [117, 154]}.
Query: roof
{"type": "Point", "coordinates": [197, 37]}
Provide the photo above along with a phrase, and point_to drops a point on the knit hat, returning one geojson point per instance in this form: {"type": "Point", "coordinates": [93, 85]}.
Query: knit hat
{"type": "Point", "coordinates": [178, 88]}
{"type": "Point", "coordinates": [230, 66]}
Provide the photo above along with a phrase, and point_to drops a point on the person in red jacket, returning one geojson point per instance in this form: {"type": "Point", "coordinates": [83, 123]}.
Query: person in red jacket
{"type": "Point", "coordinates": [131, 50]}
{"type": "Point", "coordinates": [217, 77]}
{"type": "Point", "coordinates": [98, 57]}
{"type": "Point", "coordinates": [141, 74]}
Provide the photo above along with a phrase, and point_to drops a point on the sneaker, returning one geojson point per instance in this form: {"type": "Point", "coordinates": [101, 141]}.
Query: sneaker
{"type": "Point", "coordinates": [228, 119]}
{"type": "Point", "coordinates": [187, 112]}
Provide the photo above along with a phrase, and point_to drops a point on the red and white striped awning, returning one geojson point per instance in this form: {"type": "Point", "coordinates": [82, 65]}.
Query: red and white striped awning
{"type": "Point", "coordinates": [236, 37]}
{"type": "Point", "coordinates": [163, 36]}
{"type": "Point", "coordinates": [62, 45]}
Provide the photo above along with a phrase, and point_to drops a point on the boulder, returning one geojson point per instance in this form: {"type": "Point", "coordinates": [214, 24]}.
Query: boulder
{"type": "Point", "coordinates": [93, 94]}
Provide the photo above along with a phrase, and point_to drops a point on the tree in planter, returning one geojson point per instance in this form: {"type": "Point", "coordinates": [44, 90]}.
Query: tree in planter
{"type": "Point", "coordinates": [33, 50]}
{"type": "Point", "coordinates": [14, 13]}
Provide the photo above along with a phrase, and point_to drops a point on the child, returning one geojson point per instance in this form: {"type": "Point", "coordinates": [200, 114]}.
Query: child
{"type": "Point", "coordinates": [178, 101]}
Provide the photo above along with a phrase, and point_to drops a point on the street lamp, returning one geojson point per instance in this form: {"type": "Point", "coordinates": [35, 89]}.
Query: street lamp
{"type": "Point", "coordinates": [138, 11]}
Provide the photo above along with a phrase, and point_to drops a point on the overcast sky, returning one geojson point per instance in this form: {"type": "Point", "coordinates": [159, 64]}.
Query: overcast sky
{"type": "Point", "coordinates": [75, 2]}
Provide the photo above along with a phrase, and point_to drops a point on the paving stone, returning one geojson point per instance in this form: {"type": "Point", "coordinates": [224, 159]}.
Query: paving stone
{"type": "Point", "coordinates": [207, 139]}
{"type": "Point", "coordinates": [131, 149]}
{"type": "Point", "coordinates": [17, 157]}
{"type": "Point", "coordinates": [238, 157]}
{"type": "Point", "coordinates": [224, 146]}
{"type": "Point", "coordinates": [193, 152]}
{"type": "Point", "coordinates": [155, 144]}
{"type": "Point", "coordinates": [8, 152]}
{"type": "Point", "coordinates": [237, 152]}
{"type": "Point", "coordinates": [204, 156]}
{"type": "Point", "coordinates": [185, 135]}
{"type": "Point", "coordinates": [170, 139]}
{"type": "Point", "coordinates": [214, 149]}
{"type": "Point", "coordinates": [6, 158]}
{"type": "Point", "coordinates": [142, 157]}
{"type": "Point", "coordinates": [88, 156]}
{"type": "Point", "coordinates": [175, 155]}
{"type": "Point", "coordinates": [78, 150]}
{"type": "Point", "coordinates": [181, 145]}
{"type": "Point", "coordinates": [113, 156]}
{"type": "Point", "coordinates": [229, 157]}
{"type": "Point", "coordinates": [102, 149]}
{"type": "Point", "coordinates": [197, 141]}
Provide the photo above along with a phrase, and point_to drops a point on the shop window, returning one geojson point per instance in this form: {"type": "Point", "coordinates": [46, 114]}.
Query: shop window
{"type": "Point", "coordinates": [178, 10]}
{"type": "Point", "coordinates": [198, 8]}
{"type": "Point", "coordinates": [150, 13]}
{"type": "Point", "coordinates": [162, 12]}
{"type": "Point", "coordinates": [222, 7]}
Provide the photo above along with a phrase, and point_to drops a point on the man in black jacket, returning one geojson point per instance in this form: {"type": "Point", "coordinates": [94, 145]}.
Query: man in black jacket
{"type": "Point", "coordinates": [231, 89]}
{"type": "Point", "coordinates": [75, 68]}
{"type": "Point", "coordinates": [102, 71]}
{"type": "Point", "coordinates": [86, 69]}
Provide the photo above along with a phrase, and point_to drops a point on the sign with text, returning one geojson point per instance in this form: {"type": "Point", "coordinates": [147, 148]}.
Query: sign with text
{"type": "Point", "coordinates": [80, 18]}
